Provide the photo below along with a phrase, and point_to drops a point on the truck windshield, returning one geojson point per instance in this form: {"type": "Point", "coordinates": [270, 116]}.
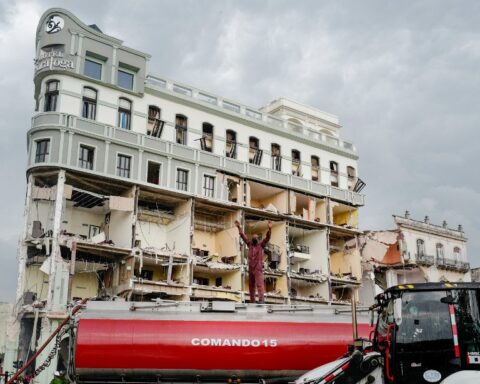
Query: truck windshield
{"type": "Point", "coordinates": [467, 312]}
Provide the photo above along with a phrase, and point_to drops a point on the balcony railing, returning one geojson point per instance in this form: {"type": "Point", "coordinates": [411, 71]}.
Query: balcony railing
{"type": "Point", "coordinates": [423, 259]}
{"type": "Point", "coordinates": [452, 264]}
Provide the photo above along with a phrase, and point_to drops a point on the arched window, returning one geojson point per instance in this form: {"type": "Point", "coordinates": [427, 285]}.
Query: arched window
{"type": "Point", "coordinates": [440, 251]}
{"type": "Point", "coordinates": [231, 145]}
{"type": "Point", "coordinates": [334, 173]}
{"type": "Point", "coordinates": [51, 95]}
{"type": "Point", "coordinates": [276, 157]}
{"type": "Point", "coordinates": [315, 161]}
{"type": "Point", "coordinates": [206, 142]}
{"type": "Point", "coordinates": [457, 253]}
{"type": "Point", "coordinates": [124, 113]}
{"type": "Point", "coordinates": [254, 152]}
{"type": "Point", "coordinates": [89, 105]}
{"type": "Point", "coordinates": [181, 123]}
{"type": "Point", "coordinates": [296, 161]}
{"type": "Point", "coordinates": [154, 124]}
{"type": "Point", "coordinates": [420, 247]}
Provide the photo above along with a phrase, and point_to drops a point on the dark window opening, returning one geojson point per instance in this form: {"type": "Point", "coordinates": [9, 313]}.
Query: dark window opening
{"type": "Point", "coordinates": [334, 174]}
{"type": "Point", "coordinates": [124, 113]}
{"type": "Point", "coordinates": [296, 163]}
{"type": "Point", "coordinates": [89, 108]}
{"type": "Point", "coordinates": [93, 69]}
{"type": "Point", "coordinates": [86, 157]}
{"type": "Point", "coordinates": [208, 186]}
{"type": "Point", "coordinates": [154, 124]}
{"type": "Point", "coordinates": [153, 173]}
{"type": "Point", "coordinates": [315, 168]}
{"type": "Point", "coordinates": [123, 165]}
{"type": "Point", "coordinates": [42, 151]}
{"type": "Point", "coordinates": [181, 129]}
{"type": "Point", "coordinates": [125, 79]}
{"type": "Point", "coordinates": [51, 96]}
{"type": "Point", "coordinates": [420, 247]}
{"type": "Point", "coordinates": [254, 153]}
{"type": "Point", "coordinates": [206, 142]}
{"type": "Point", "coordinates": [276, 157]}
{"type": "Point", "coordinates": [231, 147]}
{"type": "Point", "coordinates": [182, 180]}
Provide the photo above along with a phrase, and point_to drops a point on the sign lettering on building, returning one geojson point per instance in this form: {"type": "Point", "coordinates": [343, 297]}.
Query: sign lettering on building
{"type": "Point", "coordinates": [53, 59]}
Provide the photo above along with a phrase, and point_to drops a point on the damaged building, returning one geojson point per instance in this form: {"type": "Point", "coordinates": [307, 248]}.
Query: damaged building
{"type": "Point", "coordinates": [134, 183]}
{"type": "Point", "coordinates": [414, 252]}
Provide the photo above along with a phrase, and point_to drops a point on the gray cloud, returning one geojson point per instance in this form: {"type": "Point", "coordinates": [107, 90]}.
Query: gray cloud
{"type": "Point", "coordinates": [402, 76]}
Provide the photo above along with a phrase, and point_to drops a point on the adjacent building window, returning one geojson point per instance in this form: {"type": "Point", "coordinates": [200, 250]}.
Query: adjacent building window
{"type": "Point", "coordinates": [296, 163]}
{"type": "Point", "coordinates": [89, 106]}
{"type": "Point", "coordinates": [254, 152]}
{"type": "Point", "coordinates": [334, 173]}
{"type": "Point", "coordinates": [276, 157]}
{"type": "Point", "coordinates": [208, 186]}
{"type": "Point", "coordinates": [124, 113]}
{"type": "Point", "coordinates": [153, 173]}
{"type": "Point", "coordinates": [315, 161]}
{"type": "Point", "coordinates": [86, 156]}
{"type": "Point", "coordinates": [42, 151]}
{"type": "Point", "coordinates": [457, 253]}
{"type": "Point", "coordinates": [123, 165]}
{"type": "Point", "coordinates": [231, 146]}
{"type": "Point", "coordinates": [182, 179]}
{"type": "Point", "coordinates": [181, 122]}
{"type": "Point", "coordinates": [93, 69]}
{"type": "Point", "coordinates": [51, 95]}
{"type": "Point", "coordinates": [154, 124]}
{"type": "Point", "coordinates": [206, 142]}
{"type": "Point", "coordinates": [440, 251]}
{"type": "Point", "coordinates": [125, 79]}
{"type": "Point", "coordinates": [420, 247]}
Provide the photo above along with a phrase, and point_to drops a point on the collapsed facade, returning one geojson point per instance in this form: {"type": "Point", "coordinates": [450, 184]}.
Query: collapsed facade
{"type": "Point", "coordinates": [135, 182]}
{"type": "Point", "coordinates": [415, 252]}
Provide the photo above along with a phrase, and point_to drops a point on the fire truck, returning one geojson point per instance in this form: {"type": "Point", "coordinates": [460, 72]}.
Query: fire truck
{"type": "Point", "coordinates": [425, 333]}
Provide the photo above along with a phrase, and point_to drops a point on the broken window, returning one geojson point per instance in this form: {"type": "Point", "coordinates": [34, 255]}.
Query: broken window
{"type": "Point", "coordinates": [420, 247]}
{"type": "Point", "coordinates": [206, 142]}
{"type": "Point", "coordinates": [154, 124]}
{"type": "Point", "coordinates": [89, 107]}
{"type": "Point", "coordinates": [124, 113]}
{"type": "Point", "coordinates": [123, 165]}
{"type": "Point", "coordinates": [231, 147]}
{"type": "Point", "coordinates": [276, 158]}
{"type": "Point", "coordinates": [334, 173]}
{"type": "Point", "coordinates": [351, 172]}
{"type": "Point", "coordinates": [182, 179]}
{"type": "Point", "coordinates": [153, 173]}
{"type": "Point", "coordinates": [315, 161]}
{"type": "Point", "coordinates": [51, 96]}
{"type": "Point", "coordinates": [208, 186]}
{"type": "Point", "coordinates": [181, 129]}
{"type": "Point", "coordinates": [296, 162]}
{"type": "Point", "coordinates": [254, 153]}
{"type": "Point", "coordinates": [440, 251]}
{"type": "Point", "coordinates": [42, 150]}
{"type": "Point", "coordinates": [86, 156]}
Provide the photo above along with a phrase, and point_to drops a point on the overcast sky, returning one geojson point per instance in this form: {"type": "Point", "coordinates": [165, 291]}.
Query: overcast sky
{"type": "Point", "coordinates": [402, 76]}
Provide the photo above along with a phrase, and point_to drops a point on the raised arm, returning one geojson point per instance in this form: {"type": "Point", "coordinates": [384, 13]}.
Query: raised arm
{"type": "Point", "coordinates": [269, 234]}
{"type": "Point", "coordinates": [242, 235]}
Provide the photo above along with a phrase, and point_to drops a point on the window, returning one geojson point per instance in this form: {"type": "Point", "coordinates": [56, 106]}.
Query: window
{"type": "Point", "coordinates": [334, 173]}
{"type": "Point", "coordinates": [154, 124]}
{"type": "Point", "coordinates": [86, 156]}
{"type": "Point", "coordinates": [42, 151]}
{"type": "Point", "coordinates": [351, 172]}
{"type": "Point", "coordinates": [296, 163]}
{"type": "Point", "coordinates": [125, 79]}
{"type": "Point", "coordinates": [208, 186]}
{"type": "Point", "coordinates": [124, 113]}
{"type": "Point", "coordinates": [93, 69]}
{"type": "Point", "coordinates": [123, 165]}
{"type": "Point", "coordinates": [51, 96]}
{"type": "Point", "coordinates": [440, 251]}
{"type": "Point", "coordinates": [231, 147]}
{"type": "Point", "coordinates": [420, 247]}
{"type": "Point", "coordinates": [182, 180]}
{"type": "Point", "coordinates": [254, 152]}
{"type": "Point", "coordinates": [153, 173]}
{"type": "Point", "coordinates": [315, 161]}
{"type": "Point", "coordinates": [276, 157]}
{"type": "Point", "coordinates": [206, 142]}
{"type": "Point", "coordinates": [89, 108]}
{"type": "Point", "coordinates": [457, 253]}
{"type": "Point", "coordinates": [352, 178]}
{"type": "Point", "coordinates": [181, 129]}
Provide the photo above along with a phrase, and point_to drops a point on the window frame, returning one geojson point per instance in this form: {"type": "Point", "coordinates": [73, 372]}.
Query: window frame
{"type": "Point", "coordinates": [121, 68]}
{"type": "Point", "coordinates": [124, 110]}
{"type": "Point", "coordinates": [96, 61]}
{"type": "Point", "coordinates": [205, 136]}
{"type": "Point", "coordinates": [48, 95]}
{"type": "Point", "coordinates": [179, 128]}
{"type": "Point", "coordinates": [156, 123]}
{"type": "Point", "coordinates": [276, 160]}
{"type": "Point", "coordinates": [89, 100]}
{"type": "Point", "coordinates": [79, 160]}
{"type": "Point", "coordinates": [160, 166]}
{"type": "Point", "coordinates": [256, 159]}
{"type": "Point", "coordinates": [206, 190]}
{"type": "Point", "coordinates": [46, 156]}
{"type": "Point", "coordinates": [420, 246]}
{"type": "Point", "coordinates": [232, 154]}
{"type": "Point", "coordinates": [297, 161]}
{"type": "Point", "coordinates": [187, 179]}
{"type": "Point", "coordinates": [130, 169]}
{"type": "Point", "coordinates": [315, 167]}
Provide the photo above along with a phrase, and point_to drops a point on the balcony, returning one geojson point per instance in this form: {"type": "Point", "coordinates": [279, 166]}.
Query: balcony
{"type": "Point", "coordinates": [426, 260]}
{"type": "Point", "coordinates": [68, 131]}
{"type": "Point", "coordinates": [453, 265]}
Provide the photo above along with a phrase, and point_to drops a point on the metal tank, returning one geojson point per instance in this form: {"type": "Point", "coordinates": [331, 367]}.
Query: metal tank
{"type": "Point", "coordinates": [193, 341]}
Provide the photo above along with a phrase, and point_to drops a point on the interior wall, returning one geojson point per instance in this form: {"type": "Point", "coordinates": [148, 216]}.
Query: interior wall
{"type": "Point", "coordinates": [41, 210]}
{"type": "Point", "coordinates": [151, 234]}
{"type": "Point", "coordinates": [36, 281]}
{"type": "Point", "coordinates": [85, 285]}
{"type": "Point", "coordinates": [346, 262]}
{"type": "Point", "coordinates": [178, 231]}
{"type": "Point", "coordinates": [120, 228]}
{"type": "Point", "coordinates": [316, 241]}
{"type": "Point", "coordinates": [78, 220]}
{"type": "Point", "coordinates": [321, 210]}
